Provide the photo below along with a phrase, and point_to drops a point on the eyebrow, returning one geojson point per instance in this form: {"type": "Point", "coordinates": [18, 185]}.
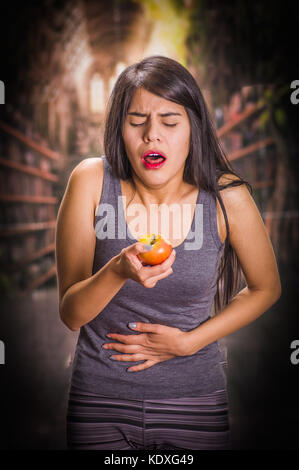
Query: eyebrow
{"type": "Point", "coordinates": [134, 113]}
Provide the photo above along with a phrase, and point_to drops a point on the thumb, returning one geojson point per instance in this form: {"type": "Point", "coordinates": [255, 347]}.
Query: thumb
{"type": "Point", "coordinates": [140, 247]}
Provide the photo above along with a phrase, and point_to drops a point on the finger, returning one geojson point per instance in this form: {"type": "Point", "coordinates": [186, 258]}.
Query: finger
{"type": "Point", "coordinates": [133, 251]}
{"type": "Point", "coordinates": [156, 274]}
{"type": "Point", "coordinates": [146, 327]}
{"type": "Point", "coordinates": [128, 357]}
{"type": "Point", "coordinates": [120, 347]}
{"type": "Point", "coordinates": [161, 268]}
{"type": "Point", "coordinates": [139, 247]}
{"type": "Point", "coordinates": [151, 281]}
{"type": "Point", "coordinates": [165, 265]}
{"type": "Point", "coordinates": [168, 262]}
{"type": "Point", "coordinates": [126, 339]}
{"type": "Point", "coordinates": [143, 366]}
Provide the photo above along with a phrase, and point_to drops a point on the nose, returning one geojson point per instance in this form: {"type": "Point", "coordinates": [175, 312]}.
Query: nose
{"type": "Point", "coordinates": [151, 132]}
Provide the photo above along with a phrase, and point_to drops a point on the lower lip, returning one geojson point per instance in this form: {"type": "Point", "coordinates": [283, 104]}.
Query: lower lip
{"type": "Point", "coordinates": [152, 166]}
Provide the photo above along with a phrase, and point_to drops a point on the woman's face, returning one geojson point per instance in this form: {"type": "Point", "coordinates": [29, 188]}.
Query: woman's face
{"type": "Point", "coordinates": [154, 124]}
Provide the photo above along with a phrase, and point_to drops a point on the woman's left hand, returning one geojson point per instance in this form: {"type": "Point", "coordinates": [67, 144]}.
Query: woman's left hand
{"type": "Point", "coordinates": [156, 343]}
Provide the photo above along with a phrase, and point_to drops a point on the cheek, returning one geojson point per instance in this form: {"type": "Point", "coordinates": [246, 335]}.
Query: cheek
{"type": "Point", "coordinates": [183, 142]}
{"type": "Point", "coordinates": [128, 139]}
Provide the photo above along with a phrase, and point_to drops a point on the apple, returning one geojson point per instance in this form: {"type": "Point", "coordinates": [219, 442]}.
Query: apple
{"type": "Point", "coordinates": [161, 249]}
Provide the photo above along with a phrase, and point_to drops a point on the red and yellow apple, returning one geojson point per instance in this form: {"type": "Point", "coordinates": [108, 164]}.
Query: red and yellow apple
{"type": "Point", "coordinates": [161, 249]}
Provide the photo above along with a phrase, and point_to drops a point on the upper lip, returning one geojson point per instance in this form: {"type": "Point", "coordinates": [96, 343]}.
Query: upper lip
{"type": "Point", "coordinates": [153, 151]}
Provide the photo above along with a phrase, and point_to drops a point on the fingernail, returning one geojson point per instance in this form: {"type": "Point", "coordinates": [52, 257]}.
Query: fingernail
{"type": "Point", "coordinates": [147, 247]}
{"type": "Point", "coordinates": [132, 325]}
{"type": "Point", "coordinates": [113, 358]}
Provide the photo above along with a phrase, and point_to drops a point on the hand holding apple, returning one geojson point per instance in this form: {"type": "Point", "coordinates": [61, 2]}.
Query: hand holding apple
{"type": "Point", "coordinates": [129, 266]}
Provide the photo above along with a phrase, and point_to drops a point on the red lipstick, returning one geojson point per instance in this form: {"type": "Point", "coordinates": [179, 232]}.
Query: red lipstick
{"type": "Point", "coordinates": [153, 159]}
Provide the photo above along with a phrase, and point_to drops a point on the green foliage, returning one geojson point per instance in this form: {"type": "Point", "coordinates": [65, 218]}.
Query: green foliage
{"type": "Point", "coordinates": [274, 97]}
{"type": "Point", "coordinates": [264, 119]}
{"type": "Point", "coordinates": [280, 117]}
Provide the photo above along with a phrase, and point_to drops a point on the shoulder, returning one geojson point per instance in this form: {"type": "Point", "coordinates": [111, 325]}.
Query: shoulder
{"type": "Point", "coordinates": [239, 204]}
{"type": "Point", "coordinates": [87, 177]}
{"type": "Point", "coordinates": [87, 168]}
{"type": "Point", "coordinates": [227, 178]}
{"type": "Point", "coordinates": [233, 193]}
{"type": "Point", "coordinates": [237, 200]}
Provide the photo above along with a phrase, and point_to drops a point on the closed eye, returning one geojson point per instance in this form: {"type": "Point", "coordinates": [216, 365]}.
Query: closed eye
{"type": "Point", "coordinates": [136, 125]}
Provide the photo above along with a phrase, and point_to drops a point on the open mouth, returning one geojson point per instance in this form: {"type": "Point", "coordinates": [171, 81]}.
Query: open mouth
{"type": "Point", "coordinates": [153, 160]}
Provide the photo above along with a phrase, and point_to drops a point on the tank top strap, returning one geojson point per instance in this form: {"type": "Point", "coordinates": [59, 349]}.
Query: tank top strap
{"type": "Point", "coordinates": [110, 187]}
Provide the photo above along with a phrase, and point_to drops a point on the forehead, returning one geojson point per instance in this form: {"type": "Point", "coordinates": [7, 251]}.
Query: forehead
{"type": "Point", "coordinates": [144, 101]}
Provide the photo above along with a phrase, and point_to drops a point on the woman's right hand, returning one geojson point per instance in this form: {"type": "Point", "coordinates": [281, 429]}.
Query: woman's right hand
{"type": "Point", "coordinates": [129, 266]}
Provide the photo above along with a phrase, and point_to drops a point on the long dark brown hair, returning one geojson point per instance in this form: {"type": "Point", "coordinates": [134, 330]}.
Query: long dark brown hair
{"type": "Point", "coordinates": [206, 161]}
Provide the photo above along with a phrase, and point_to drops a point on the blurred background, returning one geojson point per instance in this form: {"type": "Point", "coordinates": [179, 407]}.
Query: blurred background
{"type": "Point", "coordinates": [59, 62]}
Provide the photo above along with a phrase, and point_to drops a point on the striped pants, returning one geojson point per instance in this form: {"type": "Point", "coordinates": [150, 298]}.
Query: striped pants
{"type": "Point", "coordinates": [100, 422]}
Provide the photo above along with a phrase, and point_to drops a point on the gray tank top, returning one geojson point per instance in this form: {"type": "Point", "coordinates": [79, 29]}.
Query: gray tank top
{"type": "Point", "coordinates": [183, 300]}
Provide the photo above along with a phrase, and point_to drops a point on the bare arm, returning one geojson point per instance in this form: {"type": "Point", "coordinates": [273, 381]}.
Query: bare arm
{"type": "Point", "coordinates": [82, 296]}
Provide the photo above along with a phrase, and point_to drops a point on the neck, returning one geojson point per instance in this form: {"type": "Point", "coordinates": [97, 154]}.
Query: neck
{"type": "Point", "coordinates": [167, 193]}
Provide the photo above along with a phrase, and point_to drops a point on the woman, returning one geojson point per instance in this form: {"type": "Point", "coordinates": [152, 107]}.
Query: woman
{"type": "Point", "coordinates": [147, 372]}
